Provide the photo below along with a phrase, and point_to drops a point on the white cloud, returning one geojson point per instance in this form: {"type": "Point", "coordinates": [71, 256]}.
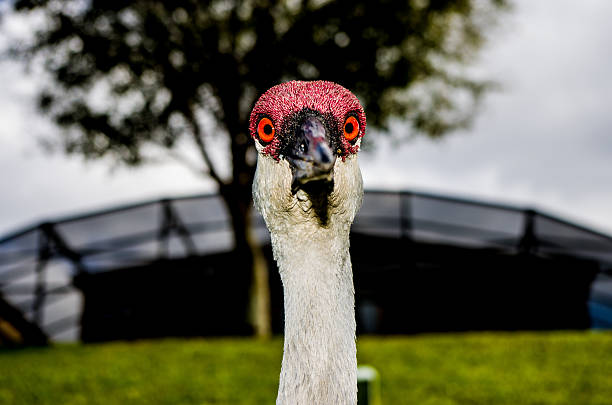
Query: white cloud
{"type": "Point", "coordinates": [37, 186]}
{"type": "Point", "coordinates": [544, 140]}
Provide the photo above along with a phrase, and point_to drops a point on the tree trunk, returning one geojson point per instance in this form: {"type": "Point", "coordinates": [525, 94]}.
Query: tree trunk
{"type": "Point", "coordinates": [239, 200]}
{"type": "Point", "coordinates": [250, 256]}
{"type": "Point", "coordinates": [260, 288]}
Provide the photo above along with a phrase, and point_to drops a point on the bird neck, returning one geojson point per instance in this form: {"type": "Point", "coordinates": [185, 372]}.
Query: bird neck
{"type": "Point", "coordinates": [311, 247]}
{"type": "Point", "coordinates": [319, 360]}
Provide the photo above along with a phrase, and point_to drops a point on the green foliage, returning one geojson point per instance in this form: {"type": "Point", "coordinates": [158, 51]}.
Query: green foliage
{"type": "Point", "coordinates": [164, 64]}
{"type": "Point", "coordinates": [491, 368]}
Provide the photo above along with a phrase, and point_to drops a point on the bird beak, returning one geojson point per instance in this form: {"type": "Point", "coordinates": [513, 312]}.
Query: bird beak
{"type": "Point", "coordinates": [310, 156]}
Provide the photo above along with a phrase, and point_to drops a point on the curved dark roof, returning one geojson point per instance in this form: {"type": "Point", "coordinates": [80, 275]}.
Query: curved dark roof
{"type": "Point", "coordinates": [137, 234]}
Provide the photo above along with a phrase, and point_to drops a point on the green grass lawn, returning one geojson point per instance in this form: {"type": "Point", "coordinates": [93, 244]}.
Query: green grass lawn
{"type": "Point", "coordinates": [509, 368]}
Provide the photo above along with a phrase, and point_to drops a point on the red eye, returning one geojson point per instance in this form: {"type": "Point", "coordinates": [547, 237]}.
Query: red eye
{"type": "Point", "coordinates": [265, 130]}
{"type": "Point", "coordinates": [351, 128]}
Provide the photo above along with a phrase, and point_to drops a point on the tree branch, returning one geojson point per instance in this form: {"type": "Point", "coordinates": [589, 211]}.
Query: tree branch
{"type": "Point", "coordinates": [183, 160]}
{"type": "Point", "coordinates": [198, 138]}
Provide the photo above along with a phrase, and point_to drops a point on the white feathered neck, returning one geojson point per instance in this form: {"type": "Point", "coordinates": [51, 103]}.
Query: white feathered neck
{"type": "Point", "coordinates": [319, 360]}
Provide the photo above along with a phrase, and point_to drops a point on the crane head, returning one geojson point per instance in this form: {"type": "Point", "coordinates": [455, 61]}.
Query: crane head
{"type": "Point", "coordinates": [307, 135]}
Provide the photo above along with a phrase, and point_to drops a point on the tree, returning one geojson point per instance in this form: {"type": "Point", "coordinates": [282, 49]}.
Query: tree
{"type": "Point", "coordinates": [168, 68]}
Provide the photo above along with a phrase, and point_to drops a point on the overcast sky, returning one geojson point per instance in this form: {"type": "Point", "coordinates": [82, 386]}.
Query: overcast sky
{"type": "Point", "coordinates": [543, 141]}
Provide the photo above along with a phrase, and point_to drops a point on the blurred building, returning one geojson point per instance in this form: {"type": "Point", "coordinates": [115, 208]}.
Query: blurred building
{"type": "Point", "coordinates": [421, 263]}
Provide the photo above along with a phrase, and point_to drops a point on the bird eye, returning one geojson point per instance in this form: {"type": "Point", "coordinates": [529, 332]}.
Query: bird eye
{"type": "Point", "coordinates": [351, 128]}
{"type": "Point", "coordinates": [265, 130]}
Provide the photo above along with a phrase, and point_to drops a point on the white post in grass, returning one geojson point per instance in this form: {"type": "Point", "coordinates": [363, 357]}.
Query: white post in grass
{"type": "Point", "coordinates": [368, 386]}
